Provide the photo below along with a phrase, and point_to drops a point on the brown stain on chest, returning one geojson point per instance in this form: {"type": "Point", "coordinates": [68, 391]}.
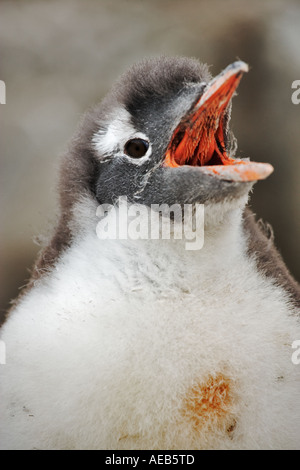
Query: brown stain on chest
{"type": "Point", "coordinates": [210, 402]}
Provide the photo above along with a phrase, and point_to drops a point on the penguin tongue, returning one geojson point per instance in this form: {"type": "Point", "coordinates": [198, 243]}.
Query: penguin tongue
{"type": "Point", "coordinates": [199, 138]}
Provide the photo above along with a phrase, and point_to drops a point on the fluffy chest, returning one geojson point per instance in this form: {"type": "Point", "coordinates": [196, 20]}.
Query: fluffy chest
{"type": "Point", "coordinates": [147, 346]}
{"type": "Point", "coordinates": [156, 308]}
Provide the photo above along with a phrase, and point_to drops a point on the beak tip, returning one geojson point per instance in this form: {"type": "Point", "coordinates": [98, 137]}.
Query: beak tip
{"type": "Point", "coordinates": [240, 172]}
{"type": "Point", "coordinates": [237, 67]}
{"type": "Point", "coordinates": [243, 66]}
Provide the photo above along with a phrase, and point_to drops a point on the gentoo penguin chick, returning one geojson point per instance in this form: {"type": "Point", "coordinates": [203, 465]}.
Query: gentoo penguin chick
{"type": "Point", "coordinates": [138, 342]}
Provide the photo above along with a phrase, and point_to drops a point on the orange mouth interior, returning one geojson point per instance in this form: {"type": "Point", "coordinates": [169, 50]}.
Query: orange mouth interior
{"type": "Point", "coordinates": [199, 138]}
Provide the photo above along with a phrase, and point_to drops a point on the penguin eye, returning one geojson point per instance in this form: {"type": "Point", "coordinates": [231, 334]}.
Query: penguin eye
{"type": "Point", "coordinates": [136, 148]}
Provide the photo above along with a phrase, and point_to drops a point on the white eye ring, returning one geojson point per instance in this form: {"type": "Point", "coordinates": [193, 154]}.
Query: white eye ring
{"type": "Point", "coordinates": [110, 142]}
{"type": "Point", "coordinates": [138, 160]}
{"type": "Point", "coordinates": [136, 148]}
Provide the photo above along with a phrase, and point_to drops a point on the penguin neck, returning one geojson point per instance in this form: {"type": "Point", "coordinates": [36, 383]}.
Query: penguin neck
{"type": "Point", "coordinates": [223, 246]}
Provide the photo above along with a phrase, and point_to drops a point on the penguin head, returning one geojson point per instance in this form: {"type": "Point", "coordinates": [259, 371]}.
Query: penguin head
{"type": "Point", "coordinates": [162, 137]}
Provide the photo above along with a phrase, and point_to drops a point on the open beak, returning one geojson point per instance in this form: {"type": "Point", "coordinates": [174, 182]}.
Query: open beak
{"type": "Point", "coordinates": [199, 141]}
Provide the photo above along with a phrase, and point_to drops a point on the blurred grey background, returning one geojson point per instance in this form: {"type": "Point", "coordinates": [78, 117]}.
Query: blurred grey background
{"type": "Point", "coordinates": [58, 58]}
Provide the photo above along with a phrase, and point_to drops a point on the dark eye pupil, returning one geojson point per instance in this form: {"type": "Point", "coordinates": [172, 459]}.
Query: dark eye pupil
{"type": "Point", "coordinates": [136, 148]}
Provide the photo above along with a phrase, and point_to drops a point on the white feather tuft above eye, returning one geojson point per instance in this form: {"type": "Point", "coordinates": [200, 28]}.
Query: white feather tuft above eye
{"type": "Point", "coordinates": [111, 142]}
